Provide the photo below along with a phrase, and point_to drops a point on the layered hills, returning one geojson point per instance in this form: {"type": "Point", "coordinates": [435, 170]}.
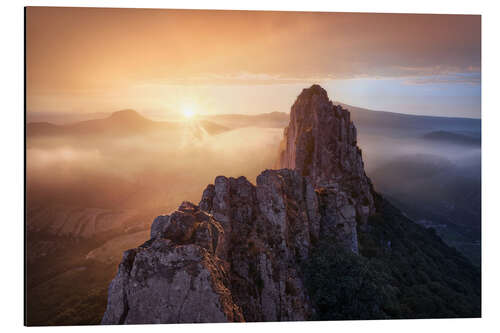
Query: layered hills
{"type": "Point", "coordinates": [125, 122]}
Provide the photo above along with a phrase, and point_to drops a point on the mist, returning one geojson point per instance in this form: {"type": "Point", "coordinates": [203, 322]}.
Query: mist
{"type": "Point", "coordinates": [157, 171]}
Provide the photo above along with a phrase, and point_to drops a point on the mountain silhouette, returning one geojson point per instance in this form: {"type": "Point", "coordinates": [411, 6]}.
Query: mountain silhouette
{"type": "Point", "coordinates": [453, 138]}
{"type": "Point", "coordinates": [123, 123]}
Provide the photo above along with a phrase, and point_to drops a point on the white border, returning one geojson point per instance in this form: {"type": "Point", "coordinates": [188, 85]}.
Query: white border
{"type": "Point", "coordinates": [11, 272]}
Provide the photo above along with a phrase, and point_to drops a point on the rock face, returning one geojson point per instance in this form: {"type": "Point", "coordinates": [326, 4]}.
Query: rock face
{"type": "Point", "coordinates": [321, 144]}
{"type": "Point", "coordinates": [174, 277]}
{"type": "Point", "coordinates": [269, 229]}
{"type": "Point", "coordinates": [236, 256]}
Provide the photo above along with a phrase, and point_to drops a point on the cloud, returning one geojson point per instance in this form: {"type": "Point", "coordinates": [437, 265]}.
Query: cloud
{"type": "Point", "coordinates": [88, 49]}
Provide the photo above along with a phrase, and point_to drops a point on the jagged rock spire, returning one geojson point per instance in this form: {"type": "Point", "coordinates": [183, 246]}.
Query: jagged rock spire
{"type": "Point", "coordinates": [321, 143]}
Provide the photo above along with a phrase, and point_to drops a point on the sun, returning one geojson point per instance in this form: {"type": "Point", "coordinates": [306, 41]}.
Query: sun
{"type": "Point", "coordinates": [188, 112]}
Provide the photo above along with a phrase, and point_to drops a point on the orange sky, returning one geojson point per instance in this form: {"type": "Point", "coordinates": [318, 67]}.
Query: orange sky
{"type": "Point", "coordinates": [94, 59]}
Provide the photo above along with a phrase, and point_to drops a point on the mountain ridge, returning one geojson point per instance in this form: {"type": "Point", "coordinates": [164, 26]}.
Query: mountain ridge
{"type": "Point", "coordinates": [122, 122]}
{"type": "Point", "coordinates": [453, 137]}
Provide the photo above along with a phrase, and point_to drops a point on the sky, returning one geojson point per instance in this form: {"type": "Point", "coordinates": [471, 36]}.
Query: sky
{"type": "Point", "coordinates": [161, 62]}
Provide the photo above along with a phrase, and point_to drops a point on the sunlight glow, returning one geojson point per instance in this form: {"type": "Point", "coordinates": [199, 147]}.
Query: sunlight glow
{"type": "Point", "coordinates": [188, 112]}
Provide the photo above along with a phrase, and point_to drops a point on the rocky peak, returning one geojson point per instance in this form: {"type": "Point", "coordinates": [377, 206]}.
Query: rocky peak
{"type": "Point", "coordinates": [321, 143]}
{"type": "Point", "coordinates": [319, 137]}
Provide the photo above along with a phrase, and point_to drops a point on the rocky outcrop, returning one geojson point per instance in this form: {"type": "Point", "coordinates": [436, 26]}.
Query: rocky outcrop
{"type": "Point", "coordinates": [236, 256]}
{"type": "Point", "coordinates": [321, 144]}
{"type": "Point", "coordinates": [175, 277]}
{"type": "Point", "coordinates": [269, 229]}
{"type": "Point", "coordinates": [238, 251]}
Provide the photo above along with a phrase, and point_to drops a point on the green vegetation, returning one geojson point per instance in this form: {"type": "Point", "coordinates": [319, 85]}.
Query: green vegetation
{"type": "Point", "coordinates": [404, 271]}
{"type": "Point", "coordinates": [76, 297]}
{"type": "Point", "coordinates": [64, 288]}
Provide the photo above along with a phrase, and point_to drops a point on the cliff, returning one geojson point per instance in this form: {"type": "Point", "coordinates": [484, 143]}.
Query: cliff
{"type": "Point", "coordinates": [321, 144]}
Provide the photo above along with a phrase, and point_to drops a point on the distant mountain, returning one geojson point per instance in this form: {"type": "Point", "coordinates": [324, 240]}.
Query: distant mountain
{"type": "Point", "coordinates": [369, 121]}
{"type": "Point", "coordinates": [62, 118]}
{"type": "Point", "coordinates": [453, 138]}
{"type": "Point", "coordinates": [124, 122]}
